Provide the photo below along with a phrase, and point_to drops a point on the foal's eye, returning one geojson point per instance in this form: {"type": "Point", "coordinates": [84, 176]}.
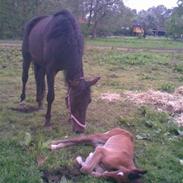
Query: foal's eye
{"type": "Point", "coordinates": [89, 100]}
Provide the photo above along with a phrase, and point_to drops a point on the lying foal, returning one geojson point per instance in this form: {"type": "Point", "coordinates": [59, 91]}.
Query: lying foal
{"type": "Point", "coordinates": [113, 156]}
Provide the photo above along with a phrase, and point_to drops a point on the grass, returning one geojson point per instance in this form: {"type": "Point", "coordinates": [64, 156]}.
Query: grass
{"type": "Point", "coordinates": [159, 148]}
{"type": "Point", "coordinates": [134, 42]}
{"type": "Point", "coordinates": [17, 164]}
{"type": "Point", "coordinates": [167, 87]}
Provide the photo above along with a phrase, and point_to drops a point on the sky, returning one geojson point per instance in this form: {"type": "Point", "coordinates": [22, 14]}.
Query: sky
{"type": "Point", "coordinates": [145, 4]}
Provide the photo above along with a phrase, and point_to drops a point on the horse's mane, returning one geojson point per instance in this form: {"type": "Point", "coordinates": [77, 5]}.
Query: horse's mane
{"type": "Point", "coordinates": [63, 24]}
{"type": "Point", "coordinates": [63, 12]}
{"type": "Point", "coordinates": [65, 30]}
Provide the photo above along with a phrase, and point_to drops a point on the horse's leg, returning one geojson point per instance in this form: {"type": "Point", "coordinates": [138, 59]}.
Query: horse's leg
{"type": "Point", "coordinates": [93, 139]}
{"type": "Point", "coordinates": [25, 74]}
{"type": "Point", "coordinates": [92, 161]}
{"type": "Point", "coordinates": [39, 73]}
{"type": "Point", "coordinates": [50, 96]}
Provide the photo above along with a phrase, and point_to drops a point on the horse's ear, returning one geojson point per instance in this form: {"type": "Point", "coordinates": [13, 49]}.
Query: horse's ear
{"type": "Point", "coordinates": [93, 82]}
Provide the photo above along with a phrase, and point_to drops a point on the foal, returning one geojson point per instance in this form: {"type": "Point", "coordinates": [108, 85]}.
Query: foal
{"type": "Point", "coordinates": [113, 156]}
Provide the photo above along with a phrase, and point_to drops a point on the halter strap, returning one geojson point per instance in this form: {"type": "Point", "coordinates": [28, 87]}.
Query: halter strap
{"type": "Point", "coordinates": [71, 115]}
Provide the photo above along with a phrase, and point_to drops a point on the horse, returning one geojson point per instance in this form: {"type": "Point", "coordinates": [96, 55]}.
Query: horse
{"type": "Point", "coordinates": [113, 155]}
{"type": "Point", "coordinates": [54, 43]}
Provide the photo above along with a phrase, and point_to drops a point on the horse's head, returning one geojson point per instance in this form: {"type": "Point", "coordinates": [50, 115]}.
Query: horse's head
{"type": "Point", "coordinates": [126, 176]}
{"type": "Point", "coordinates": [77, 101]}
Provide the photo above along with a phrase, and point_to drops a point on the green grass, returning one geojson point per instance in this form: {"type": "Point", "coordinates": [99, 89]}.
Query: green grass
{"type": "Point", "coordinates": [135, 42]}
{"type": "Point", "coordinates": [23, 139]}
{"type": "Point", "coordinates": [159, 149]}
{"type": "Point", "coordinates": [167, 87]}
{"type": "Point", "coordinates": [17, 164]}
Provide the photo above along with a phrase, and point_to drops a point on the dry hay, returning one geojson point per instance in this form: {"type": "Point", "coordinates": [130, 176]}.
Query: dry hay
{"type": "Point", "coordinates": [171, 103]}
{"type": "Point", "coordinates": [110, 96]}
{"type": "Point", "coordinates": [163, 101]}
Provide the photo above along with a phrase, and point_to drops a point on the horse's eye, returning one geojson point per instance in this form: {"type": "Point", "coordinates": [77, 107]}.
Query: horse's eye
{"type": "Point", "coordinates": [89, 100]}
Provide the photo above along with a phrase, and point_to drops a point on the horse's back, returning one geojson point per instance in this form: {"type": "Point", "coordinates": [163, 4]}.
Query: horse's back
{"type": "Point", "coordinates": [64, 41]}
{"type": "Point", "coordinates": [36, 39]}
{"type": "Point", "coordinates": [27, 29]}
{"type": "Point", "coordinates": [56, 39]}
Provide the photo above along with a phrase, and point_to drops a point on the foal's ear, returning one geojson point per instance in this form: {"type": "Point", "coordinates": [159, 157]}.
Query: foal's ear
{"type": "Point", "coordinates": [136, 174]}
{"type": "Point", "coordinates": [93, 82]}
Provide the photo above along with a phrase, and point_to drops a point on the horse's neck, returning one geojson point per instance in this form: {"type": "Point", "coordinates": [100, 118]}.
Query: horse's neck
{"type": "Point", "coordinates": [74, 74]}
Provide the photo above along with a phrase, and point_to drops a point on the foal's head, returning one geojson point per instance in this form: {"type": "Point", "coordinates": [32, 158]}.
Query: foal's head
{"type": "Point", "coordinates": [77, 101]}
{"type": "Point", "coordinates": [127, 176]}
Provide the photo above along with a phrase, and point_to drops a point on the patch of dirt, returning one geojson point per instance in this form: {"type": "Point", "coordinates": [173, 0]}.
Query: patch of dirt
{"type": "Point", "coordinates": [163, 101]}
{"type": "Point", "coordinates": [25, 109]}
{"type": "Point", "coordinates": [110, 96]}
{"type": "Point", "coordinates": [55, 175]}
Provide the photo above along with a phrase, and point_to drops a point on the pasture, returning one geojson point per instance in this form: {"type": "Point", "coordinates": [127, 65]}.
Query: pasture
{"type": "Point", "coordinates": [123, 64]}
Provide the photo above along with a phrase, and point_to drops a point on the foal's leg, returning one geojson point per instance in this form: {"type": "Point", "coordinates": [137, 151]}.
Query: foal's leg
{"type": "Point", "coordinates": [39, 73]}
{"type": "Point", "coordinates": [25, 74]}
{"type": "Point", "coordinates": [93, 139]}
{"type": "Point", "coordinates": [92, 161]}
{"type": "Point", "coordinates": [50, 96]}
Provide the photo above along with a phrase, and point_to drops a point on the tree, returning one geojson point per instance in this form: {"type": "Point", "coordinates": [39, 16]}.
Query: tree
{"type": "Point", "coordinates": [153, 18]}
{"type": "Point", "coordinates": [99, 16]}
{"type": "Point", "coordinates": [98, 10]}
{"type": "Point", "coordinates": [14, 14]}
{"type": "Point", "coordinates": [180, 3]}
{"type": "Point", "coordinates": [175, 22]}
{"type": "Point", "coordinates": [116, 22]}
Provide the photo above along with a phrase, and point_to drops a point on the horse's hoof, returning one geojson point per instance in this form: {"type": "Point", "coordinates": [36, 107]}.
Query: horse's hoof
{"type": "Point", "coordinates": [48, 126]}
{"type": "Point", "coordinates": [78, 162]}
{"type": "Point", "coordinates": [40, 106]}
{"type": "Point", "coordinates": [78, 131]}
{"type": "Point", "coordinates": [22, 97]}
{"type": "Point", "coordinates": [22, 104]}
{"type": "Point", "coordinates": [53, 147]}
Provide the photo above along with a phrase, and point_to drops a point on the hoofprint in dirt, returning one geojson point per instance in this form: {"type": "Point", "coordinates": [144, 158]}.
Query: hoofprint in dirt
{"type": "Point", "coordinates": [162, 101]}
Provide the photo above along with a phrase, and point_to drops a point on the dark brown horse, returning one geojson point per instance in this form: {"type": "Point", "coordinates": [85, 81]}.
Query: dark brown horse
{"type": "Point", "coordinates": [54, 43]}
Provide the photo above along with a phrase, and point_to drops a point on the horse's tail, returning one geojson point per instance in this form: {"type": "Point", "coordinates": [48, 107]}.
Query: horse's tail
{"type": "Point", "coordinates": [27, 29]}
